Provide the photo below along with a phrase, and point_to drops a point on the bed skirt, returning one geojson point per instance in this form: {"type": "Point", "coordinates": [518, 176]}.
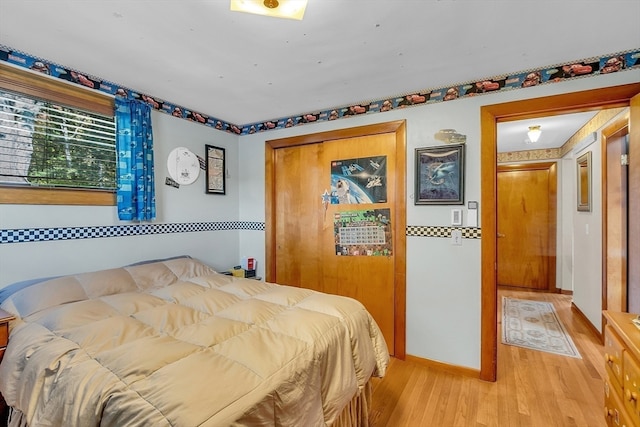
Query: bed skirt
{"type": "Point", "coordinates": [356, 413]}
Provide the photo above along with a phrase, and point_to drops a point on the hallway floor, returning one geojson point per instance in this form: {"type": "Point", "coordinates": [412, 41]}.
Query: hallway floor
{"type": "Point", "coordinates": [534, 389]}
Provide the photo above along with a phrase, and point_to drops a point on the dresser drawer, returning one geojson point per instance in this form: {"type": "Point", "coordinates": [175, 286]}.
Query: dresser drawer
{"type": "Point", "coordinates": [613, 346]}
{"type": "Point", "coordinates": [614, 412]}
{"type": "Point", "coordinates": [631, 387]}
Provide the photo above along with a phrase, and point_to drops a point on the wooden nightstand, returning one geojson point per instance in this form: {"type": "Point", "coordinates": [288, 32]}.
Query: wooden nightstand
{"type": "Point", "coordinates": [5, 318]}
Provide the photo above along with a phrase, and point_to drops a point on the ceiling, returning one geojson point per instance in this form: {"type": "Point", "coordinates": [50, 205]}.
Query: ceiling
{"type": "Point", "coordinates": [245, 68]}
{"type": "Point", "coordinates": [556, 130]}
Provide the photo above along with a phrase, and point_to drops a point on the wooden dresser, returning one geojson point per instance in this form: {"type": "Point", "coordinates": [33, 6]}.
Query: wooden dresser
{"type": "Point", "coordinates": [622, 359]}
{"type": "Point", "coordinates": [5, 318]}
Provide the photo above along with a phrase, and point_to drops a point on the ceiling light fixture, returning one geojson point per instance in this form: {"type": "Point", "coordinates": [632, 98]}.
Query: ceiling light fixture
{"type": "Point", "coordinates": [291, 9]}
{"type": "Point", "coordinates": [534, 133]}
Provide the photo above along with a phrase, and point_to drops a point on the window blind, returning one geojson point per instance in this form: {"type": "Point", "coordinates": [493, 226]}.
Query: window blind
{"type": "Point", "coordinates": [46, 144]}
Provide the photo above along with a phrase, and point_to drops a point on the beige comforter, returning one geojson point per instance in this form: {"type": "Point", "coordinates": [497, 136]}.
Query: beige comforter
{"type": "Point", "coordinates": [175, 343]}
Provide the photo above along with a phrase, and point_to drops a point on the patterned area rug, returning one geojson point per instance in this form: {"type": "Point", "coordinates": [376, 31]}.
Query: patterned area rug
{"type": "Point", "coordinates": [535, 325]}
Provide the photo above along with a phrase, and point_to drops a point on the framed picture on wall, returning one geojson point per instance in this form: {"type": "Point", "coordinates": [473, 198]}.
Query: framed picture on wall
{"type": "Point", "coordinates": [215, 165]}
{"type": "Point", "coordinates": [440, 175]}
{"type": "Point", "coordinates": [583, 164]}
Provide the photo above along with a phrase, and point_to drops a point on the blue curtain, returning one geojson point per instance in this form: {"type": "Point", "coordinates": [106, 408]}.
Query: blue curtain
{"type": "Point", "coordinates": [134, 172]}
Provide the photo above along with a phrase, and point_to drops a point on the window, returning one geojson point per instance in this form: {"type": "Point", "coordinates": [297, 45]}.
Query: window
{"type": "Point", "coordinates": [57, 142]}
{"type": "Point", "coordinates": [51, 145]}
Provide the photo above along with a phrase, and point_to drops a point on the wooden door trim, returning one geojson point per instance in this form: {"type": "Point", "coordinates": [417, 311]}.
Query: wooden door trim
{"type": "Point", "coordinates": [313, 138]}
{"type": "Point", "coordinates": [490, 115]}
{"type": "Point", "coordinates": [525, 166]}
{"type": "Point", "coordinates": [551, 167]}
{"type": "Point", "coordinates": [619, 127]}
{"type": "Point", "coordinates": [398, 128]}
{"type": "Point", "coordinates": [633, 205]}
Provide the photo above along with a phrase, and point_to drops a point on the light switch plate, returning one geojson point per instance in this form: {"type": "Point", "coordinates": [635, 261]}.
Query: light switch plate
{"type": "Point", "coordinates": [456, 216]}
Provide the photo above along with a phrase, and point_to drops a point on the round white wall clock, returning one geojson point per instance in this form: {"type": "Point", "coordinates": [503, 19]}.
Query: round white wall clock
{"type": "Point", "coordinates": [183, 166]}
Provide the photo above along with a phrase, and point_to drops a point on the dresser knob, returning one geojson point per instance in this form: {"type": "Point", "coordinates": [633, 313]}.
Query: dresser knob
{"type": "Point", "coordinates": [608, 358]}
{"type": "Point", "coordinates": [608, 413]}
{"type": "Point", "coordinates": [631, 396]}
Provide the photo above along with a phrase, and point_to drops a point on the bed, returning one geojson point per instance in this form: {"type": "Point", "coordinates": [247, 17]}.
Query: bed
{"type": "Point", "coordinates": [174, 343]}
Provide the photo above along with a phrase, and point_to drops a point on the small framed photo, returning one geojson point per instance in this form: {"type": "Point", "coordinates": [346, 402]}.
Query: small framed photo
{"type": "Point", "coordinates": [215, 168]}
{"type": "Point", "coordinates": [440, 175]}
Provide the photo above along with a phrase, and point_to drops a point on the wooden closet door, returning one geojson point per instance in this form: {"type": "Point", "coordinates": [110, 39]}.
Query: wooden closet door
{"type": "Point", "coordinates": [305, 235]}
{"type": "Point", "coordinates": [299, 216]}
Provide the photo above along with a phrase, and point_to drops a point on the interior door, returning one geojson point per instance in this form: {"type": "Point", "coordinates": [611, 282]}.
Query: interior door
{"type": "Point", "coordinates": [527, 226]}
{"type": "Point", "coordinates": [333, 244]}
{"type": "Point", "coordinates": [367, 274]}
{"type": "Point", "coordinates": [299, 216]}
{"type": "Point", "coordinates": [614, 216]}
{"type": "Point", "coordinates": [633, 279]}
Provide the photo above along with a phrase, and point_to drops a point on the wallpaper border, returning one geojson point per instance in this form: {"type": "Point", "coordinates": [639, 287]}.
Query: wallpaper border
{"type": "Point", "coordinates": [588, 67]}
{"type": "Point", "coordinates": [30, 235]}
{"type": "Point", "coordinates": [92, 232]}
{"type": "Point", "coordinates": [443, 231]}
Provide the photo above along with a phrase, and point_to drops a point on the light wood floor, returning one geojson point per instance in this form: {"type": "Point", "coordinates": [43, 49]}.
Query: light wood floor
{"type": "Point", "coordinates": [534, 388]}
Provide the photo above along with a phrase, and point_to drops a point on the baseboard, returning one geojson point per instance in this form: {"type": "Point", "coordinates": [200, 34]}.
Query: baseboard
{"type": "Point", "coordinates": [565, 292]}
{"type": "Point", "coordinates": [444, 367]}
{"type": "Point", "coordinates": [523, 289]}
{"type": "Point", "coordinates": [587, 322]}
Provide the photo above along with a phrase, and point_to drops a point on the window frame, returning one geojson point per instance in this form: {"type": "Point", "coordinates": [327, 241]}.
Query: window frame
{"type": "Point", "coordinates": [34, 84]}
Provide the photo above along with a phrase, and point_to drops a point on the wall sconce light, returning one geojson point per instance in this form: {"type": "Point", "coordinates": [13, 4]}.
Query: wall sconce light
{"type": "Point", "coordinates": [534, 133]}
{"type": "Point", "coordinates": [291, 9]}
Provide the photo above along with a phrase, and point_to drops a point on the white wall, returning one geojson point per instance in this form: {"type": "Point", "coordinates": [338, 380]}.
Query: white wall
{"type": "Point", "coordinates": [21, 261]}
{"type": "Point", "coordinates": [566, 205]}
{"type": "Point", "coordinates": [587, 247]}
{"type": "Point", "coordinates": [443, 281]}
{"type": "Point", "coordinates": [190, 202]}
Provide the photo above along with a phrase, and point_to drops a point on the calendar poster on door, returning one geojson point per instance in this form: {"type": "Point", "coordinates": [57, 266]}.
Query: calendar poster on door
{"type": "Point", "coordinates": [365, 232]}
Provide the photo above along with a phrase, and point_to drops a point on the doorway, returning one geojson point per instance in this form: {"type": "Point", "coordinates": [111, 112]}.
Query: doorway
{"type": "Point", "coordinates": [615, 145]}
{"type": "Point", "coordinates": [490, 115]}
{"type": "Point", "coordinates": [301, 225]}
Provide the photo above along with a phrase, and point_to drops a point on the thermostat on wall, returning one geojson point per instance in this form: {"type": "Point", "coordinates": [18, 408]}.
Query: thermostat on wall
{"type": "Point", "coordinates": [472, 214]}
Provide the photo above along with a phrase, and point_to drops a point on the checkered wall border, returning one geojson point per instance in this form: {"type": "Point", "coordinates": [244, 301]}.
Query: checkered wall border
{"type": "Point", "coordinates": [438, 231]}
{"type": "Point", "coordinates": [70, 233]}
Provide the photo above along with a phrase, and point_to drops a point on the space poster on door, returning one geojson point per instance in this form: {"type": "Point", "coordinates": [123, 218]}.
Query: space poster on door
{"type": "Point", "coordinates": [365, 232]}
{"type": "Point", "coordinates": [356, 181]}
